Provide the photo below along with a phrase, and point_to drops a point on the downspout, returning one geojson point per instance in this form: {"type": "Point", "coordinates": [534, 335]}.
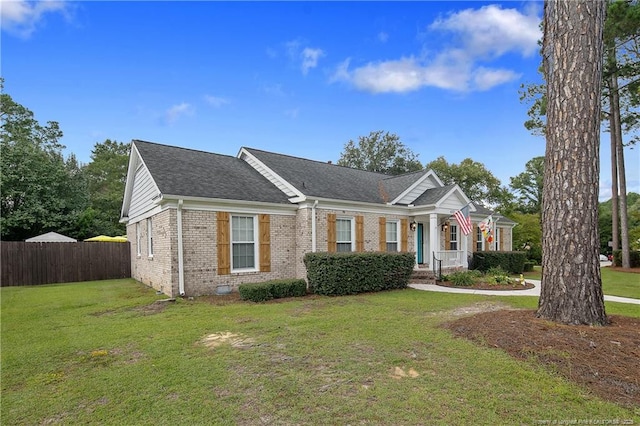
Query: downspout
{"type": "Point", "coordinates": [313, 227]}
{"type": "Point", "coordinates": [180, 254]}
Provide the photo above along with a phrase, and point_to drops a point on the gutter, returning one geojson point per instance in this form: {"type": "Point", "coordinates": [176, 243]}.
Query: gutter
{"type": "Point", "coordinates": [180, 253]}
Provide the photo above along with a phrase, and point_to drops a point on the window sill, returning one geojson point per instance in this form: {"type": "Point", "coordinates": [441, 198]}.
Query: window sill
{"type": "Point", "coordinates": [244, 271]}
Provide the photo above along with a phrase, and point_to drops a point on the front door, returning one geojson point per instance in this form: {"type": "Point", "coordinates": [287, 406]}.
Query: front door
{"type": "Point", "coordinates": [420, 236]}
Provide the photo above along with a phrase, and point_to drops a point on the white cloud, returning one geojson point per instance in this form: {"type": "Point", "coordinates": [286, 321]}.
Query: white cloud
{"type": "Point", "coordinates": [450, 71]}
{"type": "Point", "coordinates": [297, 50]}
{"type": "Point", "coordinates": [177, 111]}
{"type": "Point", "coordinates": [494, 31]}
{"type": "Point", "coordinates": [21, 17]}
{"type": "Point", "coordinates": [215, 101]}
{"type": "Point", "coordinates": [310, 58]}
{"type": "Point", "coordinates": [481, 35]}
{"type": "Point", "coordinates": [485, 79]}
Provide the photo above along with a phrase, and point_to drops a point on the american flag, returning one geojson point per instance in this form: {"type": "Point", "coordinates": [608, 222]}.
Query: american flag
{"type": "Point", "coordinates": [464, 220]}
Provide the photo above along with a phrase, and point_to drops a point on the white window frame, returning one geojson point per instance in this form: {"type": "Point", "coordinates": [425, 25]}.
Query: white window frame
{"type": "Point", "coordinates": [138, 238]}
{"type": "Point", "coordinates": [479, 239]}
{"type": "Point", "coordinates": [150, 237]}
{"type": "Point", "coordinates": [397, 240]}
{"type": "Point", "coordinates": [453, 232]}
{"type": "Point", "coordinates": [352, 227]}
{"type": "Point", "coordinates": [255, 243]}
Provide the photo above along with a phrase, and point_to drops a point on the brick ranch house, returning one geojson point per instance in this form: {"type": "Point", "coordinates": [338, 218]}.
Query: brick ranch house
{"type": "Point", "coordinates": [199, 222]}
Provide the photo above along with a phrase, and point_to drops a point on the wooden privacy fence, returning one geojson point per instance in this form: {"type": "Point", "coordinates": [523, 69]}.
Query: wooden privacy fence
{"type": "Point", "coordinates": [45, 263]}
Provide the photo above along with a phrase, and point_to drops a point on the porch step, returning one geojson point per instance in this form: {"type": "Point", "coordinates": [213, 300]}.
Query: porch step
{"type": "Point", "coordinates": [423, 276]}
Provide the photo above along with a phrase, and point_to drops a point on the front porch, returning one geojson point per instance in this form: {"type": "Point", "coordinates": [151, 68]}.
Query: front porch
{"type": "Point", "coordinates": [439, 244]}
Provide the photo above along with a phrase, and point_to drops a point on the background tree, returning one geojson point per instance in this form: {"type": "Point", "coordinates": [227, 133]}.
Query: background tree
{"type": "Point", "coordinates": [528, 186]}
{"type": "Point", "coordinates": [40, 191]}
{"type": "Point", "coordinates": [478, 183]}
{"type": "Point", "coordinates": [621, 35]}
{"type": "Point", "coordinates": [527, 232]}
{"type": "Point", "coordinates": [620, 99]}
{"type": "Point", "coordinates": [571, 289]}
{"type": "Point", "coordinates": [106, 175]}
{"type": "Point", "coordinates": [381, 152]}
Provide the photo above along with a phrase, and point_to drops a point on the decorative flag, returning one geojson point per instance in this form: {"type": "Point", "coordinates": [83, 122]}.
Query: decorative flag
{"type": "Point", "coordinates": [464, 220]}
{"type": "Point", "coordinates": [486, 226]}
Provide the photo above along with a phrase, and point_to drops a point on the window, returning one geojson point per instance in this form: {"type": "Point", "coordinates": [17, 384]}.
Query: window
{"type": "Point", "coordinates": [138, 248]}
{"type": "Point", "coordinates": [150, 237]}
{"type": "Point", "coordinates": [243, 242]}
{"type": "Point", "coordinates": [344, 241]}
{"type": "Point", "coordinates": [479, 239]}
{"type": "Point", "coordinates": [497, 239]}
{"type": "Point", "coordinates": [392, 236]}
{"type": "Point", "coordinates": [453, 237]}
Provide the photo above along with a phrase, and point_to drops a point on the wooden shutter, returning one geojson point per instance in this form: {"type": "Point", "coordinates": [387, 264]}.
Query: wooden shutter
{"type": "Point", "coordinates": [404, 235]}
{"type": "Point", "coordinates": [264, 231]}
{"type": "Point", "coordinates": [359, 233]}
{"type": "Point", "coordinates": [447, 238]}
{"type": "Point", "coordinates": [331, 233]}
{"type": "Point", "coordinates": [474, 231]}
{"type": "Point", "coordinates": [224, 247]}
{"type": "Point", "coordinates": [383, 233]}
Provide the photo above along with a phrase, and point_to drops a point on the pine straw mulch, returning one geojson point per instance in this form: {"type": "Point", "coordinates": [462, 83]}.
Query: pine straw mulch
{"type": "Point", "coordinates": [605, 360]}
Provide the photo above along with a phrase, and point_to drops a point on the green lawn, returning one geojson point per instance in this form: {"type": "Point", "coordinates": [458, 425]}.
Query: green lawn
{"type": "Point", "coordinates": [614, 283]}
{"type": "Point", "coordinates": [91, 353]}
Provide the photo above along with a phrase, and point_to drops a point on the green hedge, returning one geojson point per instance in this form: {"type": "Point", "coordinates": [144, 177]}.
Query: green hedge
{"type": "Point", "coordinates": [511, 261]}
{"type": "Point", "coordinates": [276, 289]}
{"type": "Point", "coordinates": [337, 274]}
{"type": "Point", "coordinates": [634, 258]}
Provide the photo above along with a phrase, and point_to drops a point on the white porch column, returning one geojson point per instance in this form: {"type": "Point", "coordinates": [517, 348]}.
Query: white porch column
{"type": "Point", "coordinates": [434, 235]}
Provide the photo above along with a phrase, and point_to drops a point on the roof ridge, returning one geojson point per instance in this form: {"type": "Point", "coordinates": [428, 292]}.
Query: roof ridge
{"type": "Point", "coordinates": [316, 161]}
{"type": "Point", "coordinates": [183, 148]}
{"type": "Point", "coordinates": [406, 174]}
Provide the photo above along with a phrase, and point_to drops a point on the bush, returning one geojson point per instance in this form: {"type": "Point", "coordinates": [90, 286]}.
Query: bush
{"type": "Point", "coordinates": [337, 274]}
{"type": "Point", "coordinates": [462, 278]}
{"type": "Point", "coordinates": [634, 258]}
{"type": "Point", "coordinates": [528, 266]}
{"type": "Point", "coordinates": [276, 289]}
{"type": "Point", "coordinates": [510, 261]}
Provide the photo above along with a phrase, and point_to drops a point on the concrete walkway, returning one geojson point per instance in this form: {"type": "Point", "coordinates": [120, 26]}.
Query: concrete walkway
{"type": "Point", "coordinates": [530, 292]}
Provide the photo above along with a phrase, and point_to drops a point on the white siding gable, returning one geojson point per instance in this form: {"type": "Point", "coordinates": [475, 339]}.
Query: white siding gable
{"type": "Point", "coordinates": [143, 192]}
{"type": "Point", "coordinates": [428, 181]}
{"type": "Point", "coordinates": [140, 189]}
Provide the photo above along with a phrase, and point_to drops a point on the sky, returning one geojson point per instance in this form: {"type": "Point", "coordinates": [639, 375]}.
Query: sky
{"type": "Point", "coordinates": [296, 78]}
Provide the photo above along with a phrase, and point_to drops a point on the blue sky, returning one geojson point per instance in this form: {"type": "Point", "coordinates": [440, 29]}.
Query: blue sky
{"type": "Point", "coordinates": [298, 78]}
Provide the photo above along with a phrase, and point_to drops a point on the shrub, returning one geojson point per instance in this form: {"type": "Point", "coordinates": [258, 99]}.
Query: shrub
{"type": "Point", "coordinates": [276, 289]}
{"type": "Point", "coordinates": [528, 266]}
{"type": "Point", "coordinates": [511, 261]}
{"type": "Point", "coordinates": [336, 274]}
{"type": "Point", "coordinates": [462, 278]}
{"type": "Point", "coordinates": [634, 258]}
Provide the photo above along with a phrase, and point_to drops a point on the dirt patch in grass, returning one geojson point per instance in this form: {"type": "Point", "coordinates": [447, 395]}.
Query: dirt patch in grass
{"type": "Point", "coordinates": [155, 307]}
{"type": "Point", "coordinates": [603, 359]}
{"type": "Point", "coordinates": [487, 286]}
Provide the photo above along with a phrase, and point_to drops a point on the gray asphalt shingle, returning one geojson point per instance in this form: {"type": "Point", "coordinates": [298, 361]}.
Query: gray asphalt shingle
{"type": "Point", "coordinates": [192, 173]}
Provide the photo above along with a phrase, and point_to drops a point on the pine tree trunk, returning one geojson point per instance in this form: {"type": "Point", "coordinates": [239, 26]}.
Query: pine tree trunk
{"type": "Point", "coordinates": [571, 290]}
{"type": "Point", "coordinates": [615, 231]}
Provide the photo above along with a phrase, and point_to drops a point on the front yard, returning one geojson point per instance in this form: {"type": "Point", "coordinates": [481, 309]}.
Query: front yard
{"type": "Point", "coordinates": [105, 353]}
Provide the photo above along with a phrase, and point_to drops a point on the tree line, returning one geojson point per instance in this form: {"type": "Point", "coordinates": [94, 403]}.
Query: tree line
{"type": "Point", "coordinates": [42, 191]}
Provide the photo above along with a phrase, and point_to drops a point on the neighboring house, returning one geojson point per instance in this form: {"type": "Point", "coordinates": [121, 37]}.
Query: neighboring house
{"type": "Point", "coordinates": [51, 237]}
{"type": "Point", "coordinates": [198, 220]}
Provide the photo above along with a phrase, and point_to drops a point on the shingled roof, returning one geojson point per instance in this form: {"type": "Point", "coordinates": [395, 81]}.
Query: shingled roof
{"type": "Point", "coordinates": [331, 181]}
{"type": "Point", "coordinates": [192, 173]}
